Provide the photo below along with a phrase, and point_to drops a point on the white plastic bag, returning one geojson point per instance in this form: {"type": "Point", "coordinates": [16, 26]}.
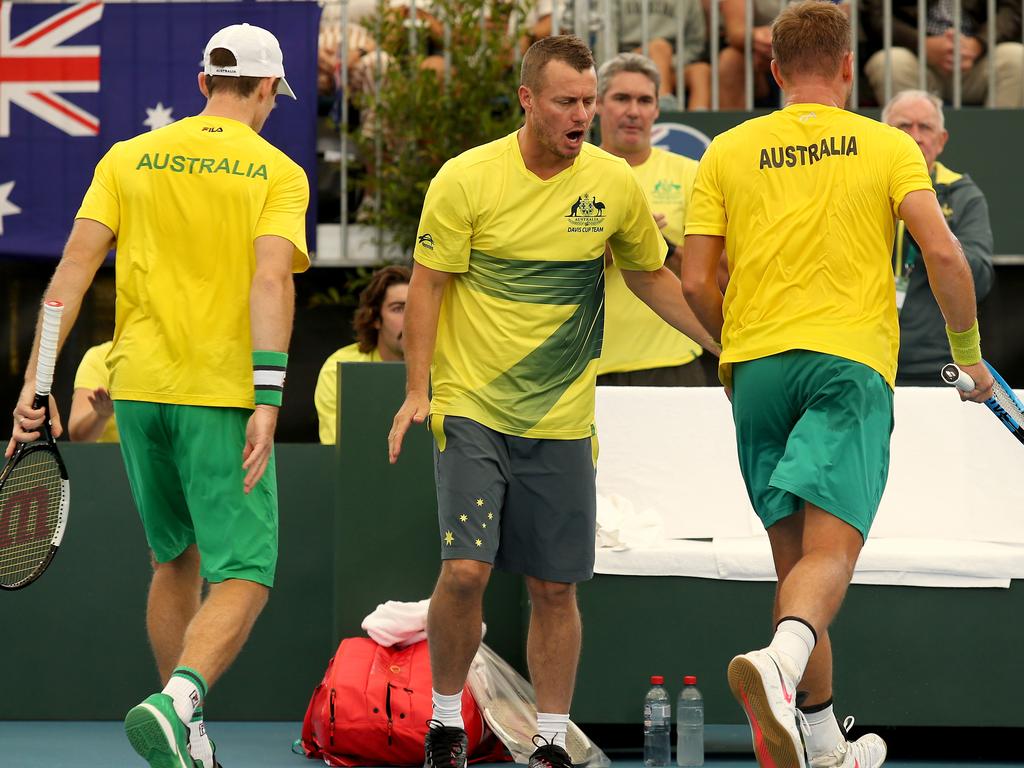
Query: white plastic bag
{"type": "Point", "coordinates": [509, 707]}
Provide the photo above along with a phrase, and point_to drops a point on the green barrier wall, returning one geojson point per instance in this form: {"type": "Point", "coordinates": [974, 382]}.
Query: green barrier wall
{"type": "Point", "coordinates": [356, 531]}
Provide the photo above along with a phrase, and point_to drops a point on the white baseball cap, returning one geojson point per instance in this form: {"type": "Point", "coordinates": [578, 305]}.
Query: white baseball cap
{"type": "Point", "coordinates": [256, 51]}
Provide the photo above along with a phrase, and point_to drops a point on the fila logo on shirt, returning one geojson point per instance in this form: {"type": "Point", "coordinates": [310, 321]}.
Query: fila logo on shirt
{"type": "Point", "coordinates": [586, 215]}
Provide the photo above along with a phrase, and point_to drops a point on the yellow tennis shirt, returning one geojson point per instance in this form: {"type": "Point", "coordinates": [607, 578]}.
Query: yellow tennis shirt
{"type": "Point", "coordinates": [325, 396]}
{"type": "Point", "coordinates": [92, 374]}
{"type": "Point", "coordinates": [635, 338]}
{"type": "Point", "coordinates": [185, 203]}
{"type": "Point", "coordinates": [520, 328]}
{"type": "Point", "coordinates": [806, 199]}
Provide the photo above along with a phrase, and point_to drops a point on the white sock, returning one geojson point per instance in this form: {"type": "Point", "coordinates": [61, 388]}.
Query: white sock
{"type": "Point", "coordinates": [448, 709]}
{"type": "Point", "coordinates": [199, 745]}
{"type": "Point", "coordinates": [793, 642]}
{"type": "Point", "coordinates": [553, 727]}
{"type": "Point", "coordinates": [185, 695]}
{"type": "Point", "coordinates": [825, 734]}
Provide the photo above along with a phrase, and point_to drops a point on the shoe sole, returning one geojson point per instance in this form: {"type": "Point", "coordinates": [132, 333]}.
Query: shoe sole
{"type": "Point", "coordinates": [773, 746]}
{"type": "Point", "coordinates": [152, 737]}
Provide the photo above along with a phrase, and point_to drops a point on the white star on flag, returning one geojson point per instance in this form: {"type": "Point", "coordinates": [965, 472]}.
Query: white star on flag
{"type": "Point", "coordinates": [158, 116]}
{"type": "Point", "coordinates": [7, 208]}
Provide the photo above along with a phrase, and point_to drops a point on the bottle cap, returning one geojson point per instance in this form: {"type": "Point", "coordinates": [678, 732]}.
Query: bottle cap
{"type": "Point", "coordinates": [690, 680]}
{"type": "Point", "coordinates": [657, 679]}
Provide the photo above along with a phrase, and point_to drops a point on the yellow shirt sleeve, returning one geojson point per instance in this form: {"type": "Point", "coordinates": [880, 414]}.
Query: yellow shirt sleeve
{"type": "Point", "coordinates": [284, 213]}
{"type": "Point", "coordinates": [102, 202]}
{"type": "Point", "coordinates": [446, 229]}
{"type": "Point", "coordinates": [325, 397]}
{"type": "Point", "coordinates": [705, 214]}
{"type": "Point", "coordinates": [909, 172]}
{"type": "Point", "coordinates": [92, 371]}
{"type": "Point", "coordinates": [638, 244]}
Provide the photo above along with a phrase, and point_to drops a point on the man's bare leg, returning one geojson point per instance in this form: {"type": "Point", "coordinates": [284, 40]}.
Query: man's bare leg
{"type": "Point", "coordinates": [174, 596]}
{"type": "Point", "coordinates": [552, 653]}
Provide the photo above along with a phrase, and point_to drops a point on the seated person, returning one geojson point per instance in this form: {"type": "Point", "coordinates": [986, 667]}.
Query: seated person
{"type": "Point", "coordinates": [92, 411]}
{"type": "Point", "coordinates": [662, 46]}
{"type": "Point", "coordinates": [731, 60]}
{"type": "Point", "coordinates": [939, 41]}
{"type": "Point", "coordinates": [378, 324]}
{"type": "Point", "coordinates": [924, 348]}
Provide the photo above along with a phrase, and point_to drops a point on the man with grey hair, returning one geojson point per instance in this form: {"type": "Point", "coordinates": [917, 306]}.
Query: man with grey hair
{"type": "Point", "coordinates": [923, 345]}
{"type": "Point", "coordinates": [640, 348]}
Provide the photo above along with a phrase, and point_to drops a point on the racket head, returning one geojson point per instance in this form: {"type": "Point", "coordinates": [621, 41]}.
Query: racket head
{"type": "Point", "coordinates": [34, 499]}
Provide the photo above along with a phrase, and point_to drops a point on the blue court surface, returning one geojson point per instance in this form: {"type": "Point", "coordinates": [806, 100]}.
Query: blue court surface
{"type": "Point", "coordinates": [252, 745]}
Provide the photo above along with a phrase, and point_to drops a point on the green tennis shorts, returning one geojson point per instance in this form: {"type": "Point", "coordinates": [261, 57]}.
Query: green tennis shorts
{"type": "Point", "coordinates": [812, 427]}
{"type": "Point", "coordinates": [524, 505]}
{"type": "Point", "coordinates": [184, 466]}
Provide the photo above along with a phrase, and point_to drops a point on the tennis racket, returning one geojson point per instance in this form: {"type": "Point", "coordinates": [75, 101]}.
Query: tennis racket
{"type": "Point", "coordinates": [34, 490]}
{"type": "Point", "coordinates": [1003, 403]}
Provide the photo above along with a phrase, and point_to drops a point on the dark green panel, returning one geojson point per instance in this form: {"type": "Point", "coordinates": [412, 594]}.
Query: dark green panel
{"type": "Point", "coordinates": [388, 546]}
{"type": "Point", "coordinates": [80, 629]}
{"type": "Point", "coordinates": [900, 651]}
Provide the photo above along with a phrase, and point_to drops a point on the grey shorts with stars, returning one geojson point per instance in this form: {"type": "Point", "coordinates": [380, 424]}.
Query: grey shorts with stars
{"type": "Point", "coordinates": [525, 505]}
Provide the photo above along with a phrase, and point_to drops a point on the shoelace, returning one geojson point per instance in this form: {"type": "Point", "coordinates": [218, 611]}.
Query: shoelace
{"type": "Point", "coordinates": [550, 753]}
{"type": "Point", "coordinates": [445, 744]}
{"type": "Point", "coordinates": [801, 721]}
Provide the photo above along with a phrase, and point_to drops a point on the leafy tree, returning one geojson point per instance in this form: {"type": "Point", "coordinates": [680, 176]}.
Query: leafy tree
{"type": "Point", "coordinates": [425, 113]}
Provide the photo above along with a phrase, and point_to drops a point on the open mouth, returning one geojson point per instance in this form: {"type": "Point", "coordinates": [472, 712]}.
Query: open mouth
{"type": "Point", "coordinates": [575, 137]}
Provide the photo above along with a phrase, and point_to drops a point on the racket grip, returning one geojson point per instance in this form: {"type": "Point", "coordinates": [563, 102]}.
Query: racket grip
{"type": "Point", "coordinates": [48, 342]}
{"type": "Point", "coordinates": [951, 374]}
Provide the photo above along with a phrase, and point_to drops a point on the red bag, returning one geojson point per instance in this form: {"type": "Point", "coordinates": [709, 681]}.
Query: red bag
{"type": "Point", "coordinates": [373, 705]}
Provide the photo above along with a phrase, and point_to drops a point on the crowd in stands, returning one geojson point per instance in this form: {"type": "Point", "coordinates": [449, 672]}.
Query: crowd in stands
{"type": "Point", "coordinates": [661, 45]}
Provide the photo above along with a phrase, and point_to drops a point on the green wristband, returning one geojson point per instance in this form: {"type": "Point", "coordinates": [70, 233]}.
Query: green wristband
{"type": "Point", "coordinates": [965, 345]}
{"type": "Point", "coordinates": [268, 373]}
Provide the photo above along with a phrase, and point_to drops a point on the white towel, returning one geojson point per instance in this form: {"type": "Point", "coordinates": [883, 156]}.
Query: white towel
{"type": "Point", "coordinates": [621, 527]}
{"type": "Point", "coordinates": [401, 624]}
{"type": "Point", "coordinates": [397, 623]}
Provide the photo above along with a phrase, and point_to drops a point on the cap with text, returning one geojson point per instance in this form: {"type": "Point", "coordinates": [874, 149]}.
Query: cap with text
{"type": "Point", "coordinates": [257, 54]}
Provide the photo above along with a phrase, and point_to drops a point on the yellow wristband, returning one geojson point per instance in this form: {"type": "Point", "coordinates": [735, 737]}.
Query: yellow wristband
{"type": "Point", "coordinates": [965, 345]}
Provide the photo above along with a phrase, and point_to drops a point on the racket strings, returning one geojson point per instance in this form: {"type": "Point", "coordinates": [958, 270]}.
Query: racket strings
{"type": "Point", "coordinates": [1007, 403]}
{"type": "Point", "coordinates": [30, 504]}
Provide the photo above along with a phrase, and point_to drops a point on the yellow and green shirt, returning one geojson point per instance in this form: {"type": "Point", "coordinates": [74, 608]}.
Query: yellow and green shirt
{"type": "Point", "coordinates": [92, 374]}
{"type": "Point", "coordinates": [520, 327]}
{"type": "Point", "coordinates": [635, 338]}
{"type": "Point", "coordinates": [325, 397]}
{"type": "Point", "coordinates": [185, 203]}
{"type": "Point", "coordinates": [806, 199]}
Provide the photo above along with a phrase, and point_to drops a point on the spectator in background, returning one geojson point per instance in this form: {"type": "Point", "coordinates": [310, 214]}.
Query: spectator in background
{"type": "Point", "coordinates": [378, 324]}
{"type": "Point", "coordinates": [662, 44]}
{"type": "Point", "coordinates": [731, 69]}
{"type": "Point", "coordinates": [1009, 52]}
{"type": "Point", "coordinates": [923, 345]}
{"type": "Point", "coordinates": [92, 411]}
{"type": "Point", "coordinates": [639, 347]}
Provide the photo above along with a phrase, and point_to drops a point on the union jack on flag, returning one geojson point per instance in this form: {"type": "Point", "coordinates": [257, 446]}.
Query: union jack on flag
{"type": "Point", "coordinates": [76, 77]}
{"type": "Point", "coordinates": [36, 66]}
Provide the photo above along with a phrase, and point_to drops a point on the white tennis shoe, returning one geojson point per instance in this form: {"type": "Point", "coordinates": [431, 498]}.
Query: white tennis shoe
{"type": "Point", "coordinates": [768, 698]}
{"type": "Point", "coordinates": [868, 751]}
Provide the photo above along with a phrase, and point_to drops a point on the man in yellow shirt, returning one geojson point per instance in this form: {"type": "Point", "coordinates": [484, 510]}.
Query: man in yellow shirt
{"type": "Point", "coordinates": [803, 202]}
{"type": "Point", "coordinates": [92, 411]}
{"type": "Point", "coordinates": [209, 223]}
{"type": "Point", "coordinates": [639, 347]}
{"type": "Point", "coordinates": [504, 323]}
{"type": "Point", "coordinates": [378, 324]}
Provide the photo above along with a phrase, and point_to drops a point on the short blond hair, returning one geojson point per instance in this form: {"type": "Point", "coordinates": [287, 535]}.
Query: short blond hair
{"type": "Point", "coordinates": [810, 37]}
{"type": "Point", "coordinates": [565, 48]}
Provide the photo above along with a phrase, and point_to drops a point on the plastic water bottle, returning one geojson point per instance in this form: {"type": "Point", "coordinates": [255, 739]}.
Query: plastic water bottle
{"type": "Point", "coordinates": [657, 724]}
{"type": "Point", "coordinates": [690, 724]}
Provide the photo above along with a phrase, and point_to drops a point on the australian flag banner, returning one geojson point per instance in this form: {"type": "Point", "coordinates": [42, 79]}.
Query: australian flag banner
{"type": "Point", "coordinates": [77, 77]}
